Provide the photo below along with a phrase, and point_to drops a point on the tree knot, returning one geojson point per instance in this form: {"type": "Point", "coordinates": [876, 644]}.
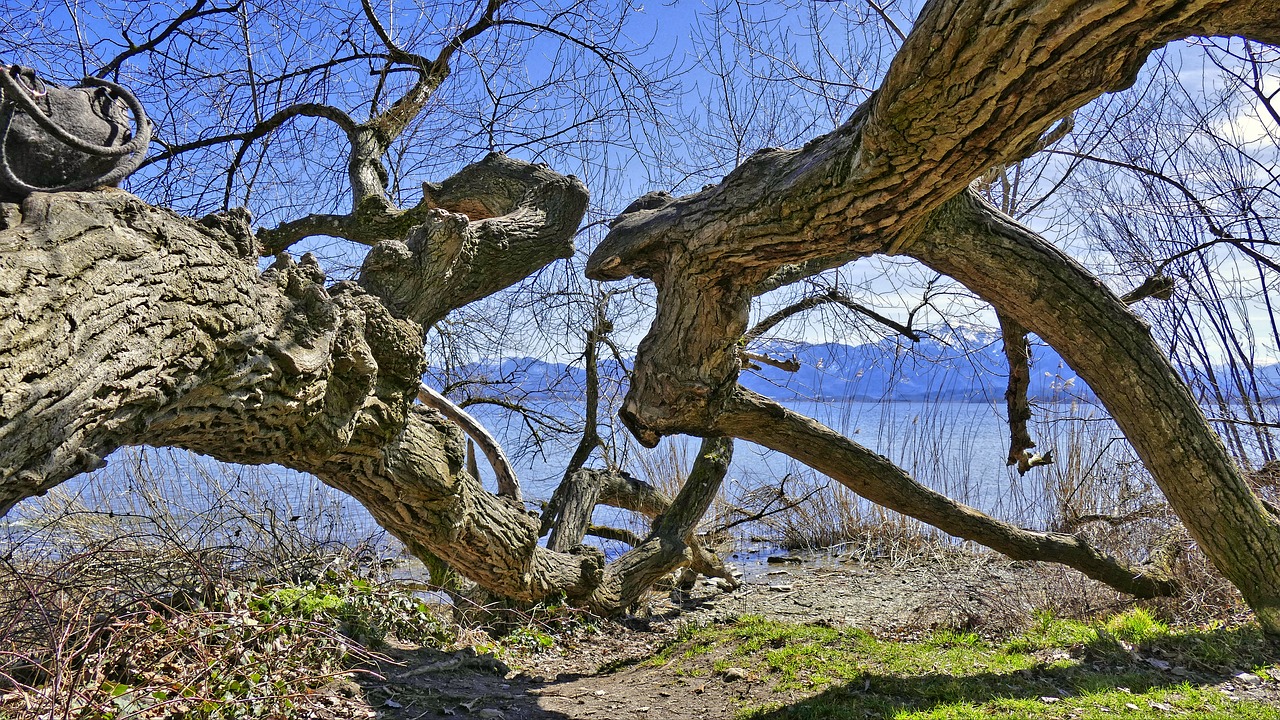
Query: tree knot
{"type": "Point", "coordinates": [233, 231]}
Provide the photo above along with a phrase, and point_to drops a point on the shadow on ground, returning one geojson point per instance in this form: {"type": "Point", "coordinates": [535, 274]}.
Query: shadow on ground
{"type": "Point", "coordinates": [1117, 683]}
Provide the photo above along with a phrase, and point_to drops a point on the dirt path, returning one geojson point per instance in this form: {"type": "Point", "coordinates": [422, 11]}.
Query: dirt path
{"type": "Point", "coordinates": [605, 673]}
{"type": "Point", "coordinates": [566, 682]}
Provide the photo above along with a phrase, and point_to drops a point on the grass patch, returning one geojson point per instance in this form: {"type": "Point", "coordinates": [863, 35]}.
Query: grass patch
{"type": "Point", "coordinates": [1120, 666]}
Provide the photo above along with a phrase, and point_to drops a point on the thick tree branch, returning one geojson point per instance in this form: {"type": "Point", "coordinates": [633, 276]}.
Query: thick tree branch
{"type": "Point", "coordinates": [975, 84]}
{"type": "Point", "coordinates": [494, 214]}
{"type": "Point", "coordinates": [672, 541]}
{"type": "Point", "coordinates": [508, 485]}
{"type": "Point", "coordinates": [753, 417]}
{"type": "Point", "coordinates": [621, 535]}
{"type": "Point", "coordinates": [449, 260]}
{"type": "Point", "coordinates": [1156, 286]}
{"type": "Point", "coordinates": [414, 487]}
{"type": "Point", "coordinates": [1112, 350]}
{"type": "Point", "coordinates": [390, 123]}
{"type": "Point", "coordinates": [193, 347]}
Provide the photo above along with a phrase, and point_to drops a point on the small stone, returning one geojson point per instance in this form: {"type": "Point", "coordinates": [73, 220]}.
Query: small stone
{"type": "Point", "coordinates": [600, 693]}
{"type": "Point", "coordinates": [1049, 699]}
{"type": "Point", "coordinates": [783, 559]}
{"type": "Point", "coordinates": [491, 714]}
{"type": "Point", "coordinates": [1133, 707]}
{"type": "Point", "coordinates": [1157, 663]}
{"type": "Point", "coordinates": [1164, 707]}
{"type": "Point", "coordinates": [392, 704]}
{"type": "Point", "coordinates": [735, 673]}
{"type": "Point", "coordinates": [645, 708]}
{"type": "Point", "coordinates": [1248, 678]}
{"type": "Point", "coordinates": [1180, 671]}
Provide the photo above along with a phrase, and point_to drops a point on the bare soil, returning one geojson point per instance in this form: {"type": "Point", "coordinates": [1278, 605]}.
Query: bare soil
{"type": "Point", "coordinates": [601, 673]}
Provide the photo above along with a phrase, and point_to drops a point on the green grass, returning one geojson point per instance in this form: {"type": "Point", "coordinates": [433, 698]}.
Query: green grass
{"type": "Point", "coordinates": [1057, 669]}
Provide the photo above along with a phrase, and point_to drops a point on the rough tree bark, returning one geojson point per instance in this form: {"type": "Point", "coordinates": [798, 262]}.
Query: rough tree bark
{"type": "Point", "coordinates": [975, 85]}
{"type": "Point", "coordinates": [123, 323]}
{"type": "Point", "coordinates": [1017, 355]}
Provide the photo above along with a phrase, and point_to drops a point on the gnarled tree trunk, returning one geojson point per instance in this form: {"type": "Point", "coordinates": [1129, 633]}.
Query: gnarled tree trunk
{"type": "Point", "coordinates": [975, 85]}
{"type": "Point", "coordinates": [123, 323]}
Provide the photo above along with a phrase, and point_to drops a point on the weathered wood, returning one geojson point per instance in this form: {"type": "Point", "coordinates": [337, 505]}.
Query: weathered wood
{"type": "Point", "coordinates": [508, 484]}
{"type": "Point", "coordinates": [753, 417]}
{"type": "Point", "coordinates": [568, 516]}
{"type": "Point", "coordinates": [568, 513]}
{"type": "Point", "coordinates": [975, 85]}
{"type": "Point", "coordinates": [121, 323]}
{"type": "Point", "coordinates": [1017, 355]}
{"type": "Point", "coordinates": [445, 259]}
{"type": "Point", "coordinates": [672, 542]}
{"type": "Point", "coordinates": [1112, 350]}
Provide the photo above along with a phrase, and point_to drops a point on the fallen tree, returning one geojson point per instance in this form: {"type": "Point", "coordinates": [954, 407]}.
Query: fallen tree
{"type": "Point", "coordinates": [975, 85]}
{"type": "Point", "coordinates": [125, 323]}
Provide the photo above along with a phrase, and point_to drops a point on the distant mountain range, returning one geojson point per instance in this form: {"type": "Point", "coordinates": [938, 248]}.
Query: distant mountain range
{"type": "Point", "coordinates": [961, 364]}
{"type": "Point", "coordinates": [958, 367]}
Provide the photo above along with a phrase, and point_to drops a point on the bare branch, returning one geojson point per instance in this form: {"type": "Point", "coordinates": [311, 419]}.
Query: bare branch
{"type": "Point", "coordinates": [612, 533]}
{"type": "Point", "coordinates": [790, 365]}
{"type": "Point", "coordinates": [508, 485]}
{"type": "Point", "coordinates": [1017, 352]}
{"type": "Point", "coordinates": [1156, 286]}
{"type": "Point", "coordinates": [760, 420]}
{"type": "Point", "coordinates": [888, 21]}
{"type": "Point", "coordinates": [590, 439]}
{"type": "Point", "coordinates": [390, 123]}
{"type": "Point", "coordinates": [831, 296]}
{"type": "Point", "coordinates": [397, 53]}
{"type": "Point", "coordinates": [195, 11]}
{"type": "Point", "coordinates": [266, 127]}
{"type": "Point", "coordinates": [1221, 234]}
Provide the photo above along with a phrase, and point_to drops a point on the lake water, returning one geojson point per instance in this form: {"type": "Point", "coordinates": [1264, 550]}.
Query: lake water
{"type": "Point", "coordinates": [962, 444]}
{"type": "Point", "coordinates": [956, 448]}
